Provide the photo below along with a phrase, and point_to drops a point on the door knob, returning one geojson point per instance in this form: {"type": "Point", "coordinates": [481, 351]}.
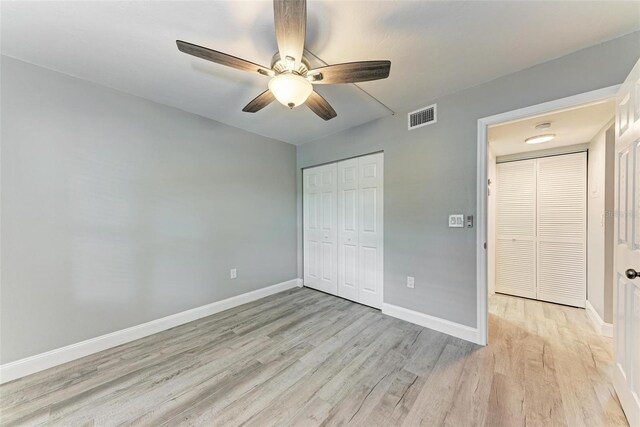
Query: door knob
{"type": "Point", "coordinates": [631, 273]}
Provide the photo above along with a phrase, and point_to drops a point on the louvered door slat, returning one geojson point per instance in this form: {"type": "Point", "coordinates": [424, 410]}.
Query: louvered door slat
{"type": "Point", "coordinates": [562, 222]}
{"type": "Point", "coordinates": [516, 228]}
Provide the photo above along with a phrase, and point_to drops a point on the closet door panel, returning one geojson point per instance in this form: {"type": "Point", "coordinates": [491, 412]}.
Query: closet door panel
{"type": "Point", "coordinates": [562, 226]}
{"type": "Point", "coordinates": [516, 228]}
{"type": "Point", "coordinates": [320, 228]}
{"type": "Point", "coordinates": [348, 229]}
{"type": "Point", "coordinates": [370, 233]}
{"type": "Point", "coordinates": [312, 241]}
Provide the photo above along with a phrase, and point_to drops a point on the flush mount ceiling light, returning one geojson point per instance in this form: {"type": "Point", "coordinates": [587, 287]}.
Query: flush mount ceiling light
{"type": "Point", "coordinates": [538, 139]}
{"type": "Point", "coordinates": [292, 78]}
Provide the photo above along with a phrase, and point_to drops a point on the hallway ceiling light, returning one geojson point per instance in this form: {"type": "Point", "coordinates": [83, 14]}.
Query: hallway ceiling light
{"type": "Point", "coordinates": [538, 139]}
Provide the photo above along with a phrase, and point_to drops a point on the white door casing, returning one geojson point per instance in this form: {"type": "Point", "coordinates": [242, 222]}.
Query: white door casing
{"type": "Point", "coordinates": [320, 228]}
{"type": "Point", "coordinates": [626, 293]}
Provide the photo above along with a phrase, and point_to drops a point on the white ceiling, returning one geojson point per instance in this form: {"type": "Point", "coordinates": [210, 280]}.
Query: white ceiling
{"type": "Point", "coordinates": [435, 48]}
{"type": "Point", "coordinates": [571, 127]}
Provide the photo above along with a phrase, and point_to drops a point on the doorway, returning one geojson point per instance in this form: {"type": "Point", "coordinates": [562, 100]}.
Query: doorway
{"type": "Point", "coordinates": [486, 164]}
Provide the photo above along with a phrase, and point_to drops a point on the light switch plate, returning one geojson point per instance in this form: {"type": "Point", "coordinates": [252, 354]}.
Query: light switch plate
{"type": "Point", "coordinates": [456, 221]}
{"type": "Point", "coordinates": [233, 273]}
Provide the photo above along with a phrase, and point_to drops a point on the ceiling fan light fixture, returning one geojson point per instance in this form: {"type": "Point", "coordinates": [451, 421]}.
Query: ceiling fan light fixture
{"type": "Point", "coordinates": [538, 139]}
{"type": "Point", "coordinates": [290, 89]}
{"type": "Point", "coordinates": [291, 77]}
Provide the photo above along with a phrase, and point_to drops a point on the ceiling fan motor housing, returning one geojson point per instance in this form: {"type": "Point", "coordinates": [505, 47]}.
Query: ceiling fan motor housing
{"type": "Point", "coordinates": [280, 65]}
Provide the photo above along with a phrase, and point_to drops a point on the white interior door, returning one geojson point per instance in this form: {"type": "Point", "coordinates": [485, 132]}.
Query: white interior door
{"type": "Point", "coordinates": [516, 228]}
{"type": "Point", "coordinates": [370, 229]}
{"type": "Point", "coordinates": [626, 294]}
{"type": "Point", "coordinates": [562, 229]}
{"type": "Point", "coordinates": [320, 228]}
{"type": "Point", "coordinates": [348, 229]}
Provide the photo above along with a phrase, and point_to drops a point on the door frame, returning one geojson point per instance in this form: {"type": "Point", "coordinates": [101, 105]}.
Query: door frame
{"type": "Point", "coordinates": [302, 214]}
{"type": "Point", "coordinates": [482, 197]}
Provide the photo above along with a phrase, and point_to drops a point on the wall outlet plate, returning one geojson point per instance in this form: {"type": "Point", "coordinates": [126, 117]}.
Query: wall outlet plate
{"type": "Point", "coordinates": [233, 273]}
{"type": "Point", "coordinates": [456, 221]}
{"type": "Point", "coordinates": [411, 282]}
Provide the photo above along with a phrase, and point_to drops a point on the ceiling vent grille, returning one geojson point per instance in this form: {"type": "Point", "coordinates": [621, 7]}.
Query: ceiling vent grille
{"type": "Point", "coordinates": [422, 117]}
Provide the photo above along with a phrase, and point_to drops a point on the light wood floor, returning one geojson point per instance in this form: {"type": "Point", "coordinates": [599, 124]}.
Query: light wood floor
{"type": "Point", "coordinates": [305, 358]}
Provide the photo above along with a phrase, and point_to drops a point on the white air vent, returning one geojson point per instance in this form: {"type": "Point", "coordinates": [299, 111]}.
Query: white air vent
{"type": "Point", "coordinates": [422, 117]}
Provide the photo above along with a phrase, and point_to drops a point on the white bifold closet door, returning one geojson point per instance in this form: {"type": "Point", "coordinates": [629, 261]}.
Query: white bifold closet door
{"type": "Point", "coordinates": [541, 222]}
{"type": "Point", "coordinates": [359, 212]}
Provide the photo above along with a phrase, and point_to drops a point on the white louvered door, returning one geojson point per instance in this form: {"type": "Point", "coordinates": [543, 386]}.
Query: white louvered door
{"type": "Point", "coordinates": [562, 228]}
{"type": "Point", "coordinates": [516, 228]}
{"type": "Point", "coordinates": [541, 229]}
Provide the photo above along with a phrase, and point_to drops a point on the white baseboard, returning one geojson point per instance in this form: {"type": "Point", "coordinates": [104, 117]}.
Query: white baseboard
{"type": "Point", "coordinates": [437, 324]}
{"type": "Point", "coordinates": [602, 327]}
{"type": "Point", "coordinates": [40, 362]}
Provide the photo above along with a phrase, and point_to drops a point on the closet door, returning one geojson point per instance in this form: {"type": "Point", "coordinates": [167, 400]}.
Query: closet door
{"type": "Point", "coordinates": [348, 229]}
{"type": "Point", "coordinates": [516, 228]}
{"type": "Point", "coordinates": [320, 228]}
{"type": "Point", "coordinates": [562, 225]}
{"type": "Point", "coordinates": [370, 229]}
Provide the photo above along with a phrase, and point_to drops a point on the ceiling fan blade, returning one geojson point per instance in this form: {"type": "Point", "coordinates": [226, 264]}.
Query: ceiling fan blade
{"type": "Point", "coordinates": [222, 58]}
{"type": "Point", "coordinates": [350, 72]}
{"type": "Point", "coordinates": [259, 102]}
{"type": "Point", "coordinates": [320, 106]}
{"type": "Point", "coordinates": [291, 24]}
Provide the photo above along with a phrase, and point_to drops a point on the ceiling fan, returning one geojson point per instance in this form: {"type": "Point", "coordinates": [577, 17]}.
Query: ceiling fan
{"type": "Point", "coordinates": [292, 79]}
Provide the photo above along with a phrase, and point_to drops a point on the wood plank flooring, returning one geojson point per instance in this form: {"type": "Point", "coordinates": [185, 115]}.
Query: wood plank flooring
{"type": "Point", "coordinates": [304, 358]}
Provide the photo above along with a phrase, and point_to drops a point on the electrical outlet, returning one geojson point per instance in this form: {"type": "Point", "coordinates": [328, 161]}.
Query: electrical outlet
{"type": "Point", "coordinates": [411, 282]}
{"type": "Point", "coordinates": [456, 221]}
{"type": "Point", "coordinates": [233, 273]}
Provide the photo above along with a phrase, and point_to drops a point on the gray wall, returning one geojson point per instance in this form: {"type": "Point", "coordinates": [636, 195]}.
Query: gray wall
{"type": "Point", "coordinates": [117, 211]}
{"type": "Point", "coordinates": [431, 172]}
{"type": "Point", "coordinates": [600, 225]}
